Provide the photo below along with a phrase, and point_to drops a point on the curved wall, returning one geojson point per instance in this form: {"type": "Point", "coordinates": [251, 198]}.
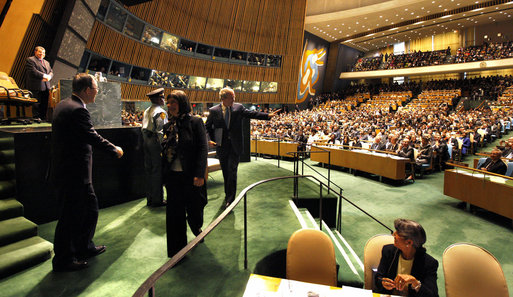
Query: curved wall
{"type": "Point", "coordinates": [261, 26]}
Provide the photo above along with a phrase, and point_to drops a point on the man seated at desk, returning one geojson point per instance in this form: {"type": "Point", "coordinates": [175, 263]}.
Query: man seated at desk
{"type": "Point", "coordinates": [494, 163]}
{"type": "Point", "coordinates": [377, 144]}
{"type": "Point", "coordinates": [392, 145]}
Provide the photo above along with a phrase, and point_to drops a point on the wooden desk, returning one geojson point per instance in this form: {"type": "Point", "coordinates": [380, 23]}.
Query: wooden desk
{"type": "Point", "coordinates": [389, 166]}
{"type": "Point", "coordinates": [271, 147]}
{"type": "Point", "coordinates": [492, 193]}
{"type": "Point", "coordinates": [259, 285]}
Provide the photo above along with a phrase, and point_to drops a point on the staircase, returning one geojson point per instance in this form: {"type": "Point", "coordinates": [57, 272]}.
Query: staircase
{"type": "Point", "coordinates": [20, 247]}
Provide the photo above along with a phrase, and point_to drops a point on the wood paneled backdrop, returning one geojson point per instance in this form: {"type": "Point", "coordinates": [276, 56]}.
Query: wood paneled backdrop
{"type": "Point", "coordinates": [260, 26]}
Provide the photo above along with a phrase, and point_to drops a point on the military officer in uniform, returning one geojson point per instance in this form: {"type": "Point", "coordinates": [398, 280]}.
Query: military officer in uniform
{"type": "Point", "coordinates": [154, 119]}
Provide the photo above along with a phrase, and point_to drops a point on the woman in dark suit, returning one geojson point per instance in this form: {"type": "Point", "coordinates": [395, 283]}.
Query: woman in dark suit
{"type": "Point", "coordinates": [405, 268]}
{"type": "Point", "coordinates": [184, 166]}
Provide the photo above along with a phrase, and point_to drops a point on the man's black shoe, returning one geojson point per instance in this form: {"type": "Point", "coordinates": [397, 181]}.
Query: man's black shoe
{"type": "Point", "coordinates": [196, 233]}
{"type": "Point", "coordinates": [72, 266]}
{"type": "Point", "coordinates": [159, 204]}
{"type": "Point", "coordinates": [99, 249]}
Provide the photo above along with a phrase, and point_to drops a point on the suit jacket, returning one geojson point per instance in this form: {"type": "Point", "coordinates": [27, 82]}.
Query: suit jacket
{"type": "Point", "coordinates": [406, 152]}
{"type": "Point", "coordinates": [498, 167]}
{"type": "Point", "coordinates": [378, 146]}
{"type": "Point", "coordinates": [191, 148]}
{"type": "Point", "coordinates": [423, 269]}
{"type": "Point", "coordinates": [73, 137]}
{"type": "Point", "coordinates": [216, 126]}
{"type": "Point", "coordinates": [34, 77]}
{"type": "Point", "coordinates": [391, 147]}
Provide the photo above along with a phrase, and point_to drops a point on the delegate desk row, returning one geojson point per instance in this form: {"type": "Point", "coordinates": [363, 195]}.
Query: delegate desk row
{"type": "Point", "coordinates": [385, 165]}
{"type": "Point", "coordinates": [273, 147]}
{"type": "Point", "coordinates": [492, 192]}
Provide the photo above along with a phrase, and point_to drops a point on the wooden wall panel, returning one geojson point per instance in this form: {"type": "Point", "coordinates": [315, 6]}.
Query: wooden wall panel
{"type": "Point", "coordinates": [260, 26]}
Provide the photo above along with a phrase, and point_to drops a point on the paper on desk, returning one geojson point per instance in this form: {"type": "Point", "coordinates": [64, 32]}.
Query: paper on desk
{"type": "Point", "coordinates": [291, 288]}
{"type": "Point", "coordinates": [355, 292]}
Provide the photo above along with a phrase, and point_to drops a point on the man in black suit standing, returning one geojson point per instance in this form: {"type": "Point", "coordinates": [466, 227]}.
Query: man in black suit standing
{"type": "Point", "coordinates": [224, 126]}
{"type": "Point", "coordinates": [39, 74]}
{"type": "Point", "coordinates": [73, 137]}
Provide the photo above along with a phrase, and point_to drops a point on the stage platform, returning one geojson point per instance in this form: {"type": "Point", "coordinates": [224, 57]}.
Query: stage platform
{"type": "Point", "coordinates": [115, 180]}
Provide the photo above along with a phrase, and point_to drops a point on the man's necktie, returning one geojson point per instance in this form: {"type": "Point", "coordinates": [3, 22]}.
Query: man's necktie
{"type": "Point", "coordinates": [227, 116]}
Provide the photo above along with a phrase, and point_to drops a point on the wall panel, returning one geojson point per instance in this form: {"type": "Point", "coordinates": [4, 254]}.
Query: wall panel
{"type": "Point", "coordinates": [260, 26]}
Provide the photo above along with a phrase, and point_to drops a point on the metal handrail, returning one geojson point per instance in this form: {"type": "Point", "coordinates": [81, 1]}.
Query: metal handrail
{"type": "Point", "coordinates": [149, 285]}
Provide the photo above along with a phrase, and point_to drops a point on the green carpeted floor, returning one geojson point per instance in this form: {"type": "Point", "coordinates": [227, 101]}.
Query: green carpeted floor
{"type": "Point", "coordinates": [135, 236]}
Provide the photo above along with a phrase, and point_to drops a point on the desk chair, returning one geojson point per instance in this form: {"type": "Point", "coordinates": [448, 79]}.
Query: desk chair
{"type": "Point", "coordinates": [472, 271]}
{"type": "Point", "coordinates": [509, 171]}
{"type": "Point", "coordinates": [311, 258]}
{"type": "Point", "coordinates": [372, 257]}
{"type": "Point", "coordinates": [12, 96]}
{"type": "Point", "coordinates": [480, 162]}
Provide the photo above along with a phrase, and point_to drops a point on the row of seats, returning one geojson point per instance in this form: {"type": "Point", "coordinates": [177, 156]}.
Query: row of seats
{"type": "Point", "coordinates": [469, 270]}
{"type": "Point", "coordinates": [12, 97]}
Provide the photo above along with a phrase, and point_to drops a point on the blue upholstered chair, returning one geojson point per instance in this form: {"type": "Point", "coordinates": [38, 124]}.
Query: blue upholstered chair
{"type": "Point", "coordinates": [509, 171]}
{"type": "Point", "coordinates": [480, 162]}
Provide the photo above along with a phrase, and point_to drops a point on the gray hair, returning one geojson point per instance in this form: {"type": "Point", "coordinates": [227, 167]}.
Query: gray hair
{"type": "Point", "coordinates": [411, 230]}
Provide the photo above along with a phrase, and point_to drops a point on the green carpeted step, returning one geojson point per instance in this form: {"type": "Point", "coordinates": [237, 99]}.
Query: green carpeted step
{"type": "Point", "coordinates": [7, 171]}
{"type": "Point", "coordinates": [6, 156]}
{"type": "Point", "coordinates": [10, 208]}
{"type": "Point", "coordinates": [23, 254]}
{"type": "Point", "coordinates": [15, 229]}
{"type": "Point", "coordinates": [7, 189]}
{"type": "Point", "coordinates": [6, 143]}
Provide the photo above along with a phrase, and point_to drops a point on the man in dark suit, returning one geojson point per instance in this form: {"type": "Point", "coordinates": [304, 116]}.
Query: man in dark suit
{"type": "Point", "coordinates": [377, 144]}
{"type": "Point", "coordinates": [494, 163]}
{"type": "Point", "coordinates": [73, 136]}
{"type": "Point", "coordinates": [224, 126]}
{"type": "Point", "coordinates": [39, 74]}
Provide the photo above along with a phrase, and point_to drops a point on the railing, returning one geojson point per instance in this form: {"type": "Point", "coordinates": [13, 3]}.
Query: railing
{"type": "Point", "coordinates": [484, 172]}
{"type": "Point", "coordinates": [149, 285]}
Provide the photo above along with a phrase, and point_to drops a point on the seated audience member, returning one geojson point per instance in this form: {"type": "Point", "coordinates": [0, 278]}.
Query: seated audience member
{"type": "Point", "coordinates": [377, 144]}
{"type": "Point", "coordinates": [442, 151]}
{"type": "Point", "coordinates": [392, 144]}
{"type": "Point", "coordinates": [301, 139]}
{"type": "Point", "coordinates": [507, 149]}
{"type": "Point", "coordinates": [465, 138]}
{"type": "Point", "coordinates": [356, 142]}
{"type": "Point", "coordinates": [494, 163]}
{"type": "Point", "coordinates": [425, 152]}
{"type": "Point", "coordinates": [405, 150]}
{"type": "Point", "coordinates": [405, 268]}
